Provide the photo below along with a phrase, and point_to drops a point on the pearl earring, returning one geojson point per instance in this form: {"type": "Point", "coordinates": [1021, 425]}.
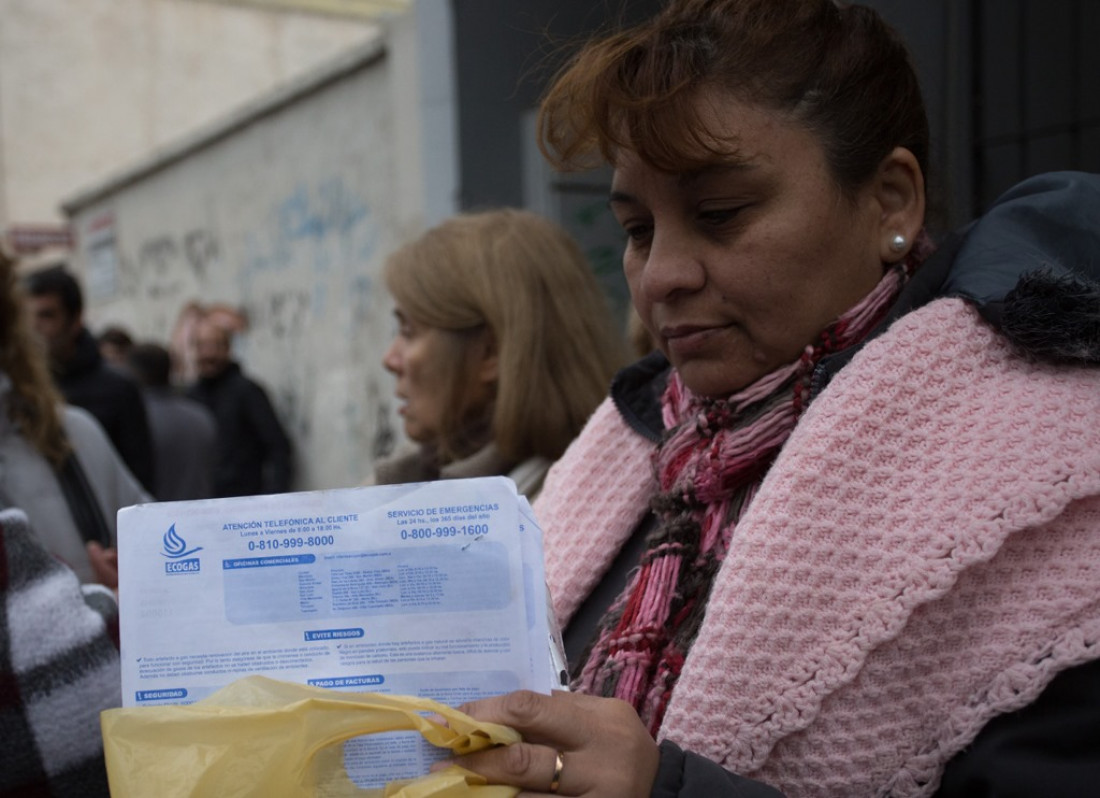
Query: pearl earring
{"type": "Point", "coordinates": [898, 242]}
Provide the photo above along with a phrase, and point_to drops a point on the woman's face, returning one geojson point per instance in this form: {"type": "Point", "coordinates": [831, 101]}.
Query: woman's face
{"type": "Point", "coordinates": [735, 268]}
{"type": "Point", "coordinates": [419, 357]}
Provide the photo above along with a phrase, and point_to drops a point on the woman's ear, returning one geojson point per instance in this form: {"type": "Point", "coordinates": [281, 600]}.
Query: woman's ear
{"type": "Point", "coordinates": [899, 188]}
{"type": "Point", "coordinates": [488, 358]}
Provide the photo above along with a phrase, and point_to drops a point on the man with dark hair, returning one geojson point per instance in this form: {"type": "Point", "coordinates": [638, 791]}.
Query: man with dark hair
{"type": "Point", "coordinates": [57, 313]}
{"type": "Point", "coordinates": [254, 452]}
{"type": "Point", "coordinates": [184, 431]}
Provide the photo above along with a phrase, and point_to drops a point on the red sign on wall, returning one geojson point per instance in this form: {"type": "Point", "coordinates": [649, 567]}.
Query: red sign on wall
{"type": "Point", "coordinates": [26, 239]}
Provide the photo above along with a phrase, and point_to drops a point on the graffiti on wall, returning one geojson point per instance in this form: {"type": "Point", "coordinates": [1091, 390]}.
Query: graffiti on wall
{"type": "Point", "coordinates": [201, 251]}
{"type": "Point", "coordinates": [302, 275]}
{"type": "Point", "coordinates": [306, 285]}
{"type": "Point", "coordinates": [166, 266]}
{"type": "Point", "coordinates": [282, 313]}
{"type": "Point", "coordinates": [325, 234]}
{"type": "Point", "coordinates": [331, 208]}
{"type": "Point", "coordinates": [163, 259]}
{"type": "Point", "coordinates": [324, 226]}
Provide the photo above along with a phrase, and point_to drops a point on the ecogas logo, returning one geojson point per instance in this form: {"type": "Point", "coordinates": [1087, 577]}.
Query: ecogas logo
{"type": "Point", "coordinates": [178, 555]}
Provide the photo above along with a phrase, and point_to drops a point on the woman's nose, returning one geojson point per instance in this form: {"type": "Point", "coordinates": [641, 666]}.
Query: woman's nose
{"type": "Point", "coordinates": [672, 266]}
{"type": "Point", "coordinates": [391, 360]}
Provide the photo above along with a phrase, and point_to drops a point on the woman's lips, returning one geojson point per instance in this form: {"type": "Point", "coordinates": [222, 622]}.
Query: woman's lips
{"type": "Point", "coordinates": [687, 340]}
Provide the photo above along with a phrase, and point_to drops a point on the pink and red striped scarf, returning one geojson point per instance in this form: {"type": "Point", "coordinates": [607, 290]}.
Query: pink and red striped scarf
{"type": "Point", "coordinates": [713, 458]}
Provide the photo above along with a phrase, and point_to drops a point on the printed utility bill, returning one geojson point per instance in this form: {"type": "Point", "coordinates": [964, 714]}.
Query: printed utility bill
{"type": "Point", "coordinates": [427, 589]}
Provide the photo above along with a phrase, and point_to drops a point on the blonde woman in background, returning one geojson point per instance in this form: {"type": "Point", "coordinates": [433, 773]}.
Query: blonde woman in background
{"type": "Point", "coordinates": [504, 347]}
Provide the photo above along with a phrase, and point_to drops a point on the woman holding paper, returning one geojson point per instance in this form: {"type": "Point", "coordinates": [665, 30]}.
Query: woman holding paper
{"type": "Point", "coordinates": [842, 534]}
{"type": "Point", "coordinates": [504, 347]}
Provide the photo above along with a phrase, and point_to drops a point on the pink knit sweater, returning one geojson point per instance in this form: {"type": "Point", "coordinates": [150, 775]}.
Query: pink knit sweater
{"type": "Point", "coordinates": [924, 555]}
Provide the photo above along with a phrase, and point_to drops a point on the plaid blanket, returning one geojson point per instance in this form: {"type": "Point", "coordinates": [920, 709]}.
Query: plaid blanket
{"type": "Point", "coordinates": [59, 667]}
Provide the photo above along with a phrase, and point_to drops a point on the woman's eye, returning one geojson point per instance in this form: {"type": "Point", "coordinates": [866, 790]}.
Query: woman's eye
{"type": "Point", "coordinates": [718, 216]}
{"type": "Point", "coordinates": [638, 232]}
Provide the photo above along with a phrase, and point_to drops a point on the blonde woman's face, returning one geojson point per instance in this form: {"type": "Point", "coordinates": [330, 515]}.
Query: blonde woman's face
{"type": "Point", "coordinates": [418, 357]}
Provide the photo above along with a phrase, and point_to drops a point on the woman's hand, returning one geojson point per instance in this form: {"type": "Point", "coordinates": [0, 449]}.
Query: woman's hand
{"type": "Point", "coordinates": [104, 564]}
{"type": "Point", "coordinates": [606, 751]}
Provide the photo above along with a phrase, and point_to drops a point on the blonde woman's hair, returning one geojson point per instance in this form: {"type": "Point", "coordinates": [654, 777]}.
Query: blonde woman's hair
{"type": "Point", "coordinates": [639, 338]}
{"type": "Point", "coordinates": [34, 404]}
{"type": "Point", "coordinates": [527, 281]}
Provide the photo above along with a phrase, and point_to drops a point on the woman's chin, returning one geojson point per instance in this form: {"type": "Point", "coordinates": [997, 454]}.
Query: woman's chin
{"type": "Point", "coordinates": [716, 378]}
{"type": "Point", "coordinates": [412, 431]}
{"type": "Point", "coordinates": [416, 433]}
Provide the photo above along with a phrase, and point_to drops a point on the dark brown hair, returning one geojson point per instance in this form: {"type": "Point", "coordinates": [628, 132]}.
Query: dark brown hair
{"type": "Point", "coordinates": [837, 69]}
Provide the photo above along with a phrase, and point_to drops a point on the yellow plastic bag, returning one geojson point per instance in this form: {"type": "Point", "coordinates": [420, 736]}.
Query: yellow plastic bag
{"type": "Point", "coordinates": [264, 737]}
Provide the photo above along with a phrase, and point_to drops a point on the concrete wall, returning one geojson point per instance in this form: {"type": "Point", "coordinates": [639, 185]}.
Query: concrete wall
{"type": "Point", "coordinates": [89, 85]}
{"type": "Point", "coordinates": [286, 210]}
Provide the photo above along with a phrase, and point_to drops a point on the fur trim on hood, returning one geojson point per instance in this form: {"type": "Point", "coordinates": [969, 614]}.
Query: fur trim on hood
{"type": "Point", "coordinates": [1055, 318]}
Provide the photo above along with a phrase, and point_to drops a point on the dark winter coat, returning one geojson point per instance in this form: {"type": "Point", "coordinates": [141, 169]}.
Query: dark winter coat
{"type": "Point", "coordinates": [115, 400]}
{"type": "Point", "coordinates": [254, 452]}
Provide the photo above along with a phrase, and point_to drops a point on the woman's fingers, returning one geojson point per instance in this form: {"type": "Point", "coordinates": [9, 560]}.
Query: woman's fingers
{"type": "Point", "coordinates": [104, 564]}
{"type": "Point", "coordinates": [604, 748]}
{"type": "Point", "coordinates": [536, 716]}
{"type": "Point", "coordinates": [530, 767]}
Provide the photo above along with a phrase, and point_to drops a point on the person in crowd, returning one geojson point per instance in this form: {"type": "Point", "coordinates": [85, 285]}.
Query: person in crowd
{"type": "Point", "coordinates": [180, 346]}
{"type": "Point", "coordinates": [115, 343]}
{"type": "Point", "coordinates": [57, 314]}
{"type": "Point", "coordinates": [504, 347]}
{"type": "Point", "coordinates": [59, 668]}
{"type": "Point", "coordinates": [841, 535]}
{"type": "Point", "coordinates": [56, 462]}
{"type": "Point", "coordinates": [254, 454]}
{"type": "Point", "coordinates": [184, 431]}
